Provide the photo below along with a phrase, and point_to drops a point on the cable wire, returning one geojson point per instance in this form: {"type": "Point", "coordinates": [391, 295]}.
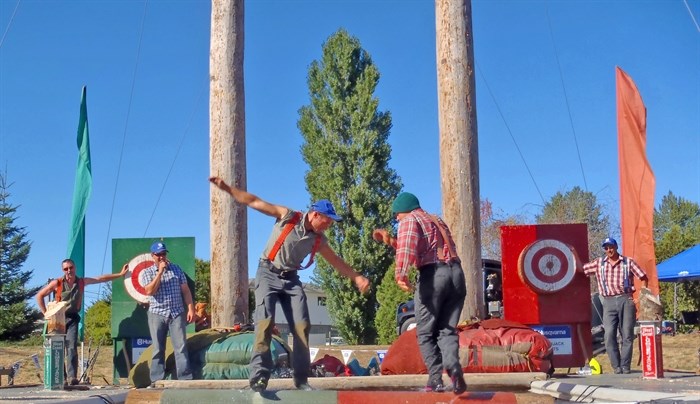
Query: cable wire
{"type": "Point", "coordinates": [126, 125]}
{"type": "Point", "coordinates": [498, 108]}
{"type": "Point", "coordinates": [177, 153]}
{"type": "Point", "coordinates": [566, 97]}
{"type": "Point", "coordinates": [691, 15]}
{"type": "Point", "coordinates": [12, 18]}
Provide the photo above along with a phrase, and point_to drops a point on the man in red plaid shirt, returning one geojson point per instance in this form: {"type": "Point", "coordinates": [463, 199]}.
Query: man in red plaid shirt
{"type": "Point", "coordinates": [614, 274]}
{"type": "Point", "coordinates": [424, 243]}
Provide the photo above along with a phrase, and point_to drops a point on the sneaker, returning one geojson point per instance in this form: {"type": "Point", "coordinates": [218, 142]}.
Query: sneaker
{"type": "Point", "coordinates": [258, 385]}
{"type": "Point", "coordinates": [303, 386]}
{"type": "Point", "coordinates": [458, 383]}
{"type": "Point", "coordinates": [617, 371]}
{"type": "Point", "coordinates": [434, 388]}
{"type": "Point", "coordinates": [151, 386]}
{"type": "Point", "coordinates": [626, 371]}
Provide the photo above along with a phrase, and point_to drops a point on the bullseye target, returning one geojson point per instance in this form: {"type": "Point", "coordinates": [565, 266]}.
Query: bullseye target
{"type": "Point", "coordinates": [133, 282]}
{"type": "Point", "coordinates": [547, 266]}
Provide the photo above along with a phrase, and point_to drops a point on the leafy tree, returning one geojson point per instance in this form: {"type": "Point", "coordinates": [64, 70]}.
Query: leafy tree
{"type": "Point", "coordinates": [202, 288]}
{"type": "Point", "coordinates": [578, 206]}
{"type": "Point", "coordinates": [677, 228]}
{"type": "Point", "coordinates": [17, 317]}
{"type": "Point", "coordinates": [389, 296]}
{"type": "Point", "coordinates": [98, 323]}
{"type": "Point", "coordinates": [491, 229]}
{"type": "Point", "coordinates": [202, 293]}
{"type": "Point", "coordinates": [348, 155]}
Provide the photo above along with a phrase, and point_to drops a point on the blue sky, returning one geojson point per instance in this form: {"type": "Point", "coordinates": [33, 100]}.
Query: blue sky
{"type": "Point", "coordinates": [155, 103]}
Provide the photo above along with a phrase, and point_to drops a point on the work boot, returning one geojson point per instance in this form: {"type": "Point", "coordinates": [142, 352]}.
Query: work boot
{"type": "Point", "coordinates": [74, 382]}
{"type": "Point", "coordinates": [258, 384]}
{"type": "Point", "coordinates": [458, 383]}
{"type": "Point", "coordinates": [303, 386]}
{"type": "Point", "coordinates": [434, 386]}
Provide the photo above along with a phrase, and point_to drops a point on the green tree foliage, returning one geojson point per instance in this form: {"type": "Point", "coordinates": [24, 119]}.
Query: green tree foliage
{"type": "Point", "coordinates": [17, 317]}
{"type": "Point", "coordinates": [202, 282]}
{"type": "Point", "coordinates": [348, 155]}
{"type": "Point", "coordinates": [202, 293]}
{"type": "Point", "coordinates": [578, 206]}
{"type": "Point", "coordinates": [98, 323]}
{"type": "Point", "coordinates": [389, 296]}
{"type": "Point", "coordinates": [677, 228]}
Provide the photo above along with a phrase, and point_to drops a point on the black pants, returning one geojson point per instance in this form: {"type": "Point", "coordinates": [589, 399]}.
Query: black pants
{"type": "Point", "coordinates": [439, 298]}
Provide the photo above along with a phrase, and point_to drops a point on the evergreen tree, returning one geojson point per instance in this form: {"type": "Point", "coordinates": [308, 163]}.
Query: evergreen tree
{"type": "Point", "coordinates": [348, 155]}
{"type": "Point", "coordinates": [17, 318]}
{"type": "Point", "coordinates": [389, 296]}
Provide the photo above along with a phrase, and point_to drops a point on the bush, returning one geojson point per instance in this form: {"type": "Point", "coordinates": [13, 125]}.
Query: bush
{"type": "Point", "coordinates": [98, 323]}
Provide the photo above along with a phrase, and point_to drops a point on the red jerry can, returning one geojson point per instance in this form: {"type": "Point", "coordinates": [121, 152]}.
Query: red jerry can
{"type": "Point", "coordinates": [543, 289]}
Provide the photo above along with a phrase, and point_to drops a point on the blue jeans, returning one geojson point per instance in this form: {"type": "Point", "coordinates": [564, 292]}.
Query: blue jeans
{"type": "Point", "coordinates": [620, 313]}
{"type": "Point", "coordinates": [159, 327]}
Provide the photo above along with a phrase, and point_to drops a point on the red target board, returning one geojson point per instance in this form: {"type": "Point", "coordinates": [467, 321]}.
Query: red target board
{"type": "Point", "coordinates": [547, 266]}
{"type": "Point", "coordinates": [133, 282]}
{"type": "Point", "coordinates": [543, 289]}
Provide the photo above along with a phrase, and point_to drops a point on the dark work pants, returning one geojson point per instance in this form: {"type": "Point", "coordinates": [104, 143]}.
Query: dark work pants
{"type": "Point", "coordinates": [619, 312]}
{"type": "Point", "coordinates": [271, 288]}
{"type": "Point", "coordinates": [71, 345]}
{"type": "Point", "coordinates": [439, 298]}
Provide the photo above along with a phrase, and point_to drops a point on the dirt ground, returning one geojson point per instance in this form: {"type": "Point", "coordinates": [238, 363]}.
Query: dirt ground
{"type": "Point", "coordinates": [680, 352]}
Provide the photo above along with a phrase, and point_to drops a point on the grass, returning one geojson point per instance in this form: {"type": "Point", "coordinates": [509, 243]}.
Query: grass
{"type": "Point", "coordinates": [680, 352]}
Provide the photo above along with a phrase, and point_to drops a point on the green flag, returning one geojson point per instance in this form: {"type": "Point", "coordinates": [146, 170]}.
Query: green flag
{"type": "Point", "coordinates": [81, 194]}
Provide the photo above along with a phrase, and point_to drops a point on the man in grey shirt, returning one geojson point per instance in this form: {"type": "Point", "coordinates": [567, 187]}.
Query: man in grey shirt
{"type": "Point", "coordinates": [294, 236]}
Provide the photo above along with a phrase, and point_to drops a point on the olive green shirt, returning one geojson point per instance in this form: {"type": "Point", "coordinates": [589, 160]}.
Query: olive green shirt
{"type": "Point", "coordinates": [296, 246]}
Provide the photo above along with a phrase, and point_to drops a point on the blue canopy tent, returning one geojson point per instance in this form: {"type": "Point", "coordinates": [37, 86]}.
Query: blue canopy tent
{"type": "Point", "coordinates": [684, 266]}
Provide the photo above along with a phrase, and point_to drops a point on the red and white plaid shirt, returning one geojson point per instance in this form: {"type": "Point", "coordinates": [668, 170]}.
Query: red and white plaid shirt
{"type": "Point", "coordinates": [611, 277]}
{"type": "Point", "coordinates": [417, 243]}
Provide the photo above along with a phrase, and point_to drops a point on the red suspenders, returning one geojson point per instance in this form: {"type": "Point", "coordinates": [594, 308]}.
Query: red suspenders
{"type": "Point", "coordinates": [285, 232]}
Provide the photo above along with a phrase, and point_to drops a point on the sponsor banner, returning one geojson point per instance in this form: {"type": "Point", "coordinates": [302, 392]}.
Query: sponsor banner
{"type": "Point", "coordinates": [558, 335]}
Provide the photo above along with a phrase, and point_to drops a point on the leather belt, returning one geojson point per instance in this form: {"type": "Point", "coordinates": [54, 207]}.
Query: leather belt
{"type": "Point", "coordinates": [279, 272]}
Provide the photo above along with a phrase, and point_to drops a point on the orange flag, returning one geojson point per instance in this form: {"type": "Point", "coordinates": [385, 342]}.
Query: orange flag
{"type": "Point", "coordinates": [637, 181]}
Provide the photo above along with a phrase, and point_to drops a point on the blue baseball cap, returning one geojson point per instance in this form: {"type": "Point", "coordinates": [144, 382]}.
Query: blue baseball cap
{"type": "Point", "coordinates": [325, 207]}
{"type": "Point", "coordinates": [609, 241]}
{"type": "Point", "coordinates": [158, 247]}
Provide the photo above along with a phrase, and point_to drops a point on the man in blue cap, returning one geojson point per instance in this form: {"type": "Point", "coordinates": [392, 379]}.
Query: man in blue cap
{"type": "Point", "coordinates": [613, 273]}
{"type": "Point", "coordinates": [424, 243]}
{"type": "Point", "coordinates": [294, 236]}
{"type": "Point", "coordinates": [170, 308]}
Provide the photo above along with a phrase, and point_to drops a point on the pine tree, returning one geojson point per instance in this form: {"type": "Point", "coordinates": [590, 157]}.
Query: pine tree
{"type": "Point", "coordinates": [17, 318]}
{"type": "Point", "coordinates": [348, 155]}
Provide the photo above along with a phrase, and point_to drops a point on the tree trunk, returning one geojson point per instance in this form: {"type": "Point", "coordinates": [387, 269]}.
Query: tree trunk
{"type": "Point", "coordinates": [229, 227]}
{"type": "Point", "coordinates": [459, 155]}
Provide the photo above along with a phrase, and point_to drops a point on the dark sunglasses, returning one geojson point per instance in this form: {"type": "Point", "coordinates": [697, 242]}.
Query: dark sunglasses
{"type": "Point", "coordinates": [161, 254]}
{"type": "Point", "coordinates": [68, 268]}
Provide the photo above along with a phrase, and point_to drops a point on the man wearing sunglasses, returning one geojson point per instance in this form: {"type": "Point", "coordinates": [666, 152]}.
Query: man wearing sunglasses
{"type": "Point", "coordinates": [70, 289]}
{"type": "Point", "coordinates": [613, 273]}
{"type": "Point", "coordinates": [166, 285]}
{"type": "Point", "coordinates": [294, 236]}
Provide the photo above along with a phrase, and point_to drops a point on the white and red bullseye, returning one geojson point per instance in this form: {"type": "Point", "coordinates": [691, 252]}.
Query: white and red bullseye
{"type": "Point", "coordinates": [547, 266]}
{"type": "Point", "coordinates": [133, 281]}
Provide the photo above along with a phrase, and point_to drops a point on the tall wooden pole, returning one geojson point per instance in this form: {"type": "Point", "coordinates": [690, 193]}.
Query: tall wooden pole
{"type": "Point", "coordinates": [229, 226]}
{"type": "Point", "coordinates": [459, 152]}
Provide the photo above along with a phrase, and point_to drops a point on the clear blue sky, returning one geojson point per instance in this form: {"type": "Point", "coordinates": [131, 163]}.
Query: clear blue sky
{"type": "Point", "coordinates": [52, 49]}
